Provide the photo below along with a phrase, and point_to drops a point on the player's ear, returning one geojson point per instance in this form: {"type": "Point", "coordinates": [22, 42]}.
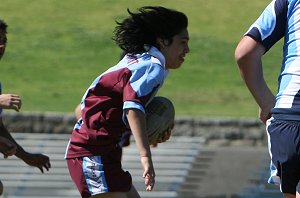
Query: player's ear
{"type": "Point", "coordinates": [162, 43]}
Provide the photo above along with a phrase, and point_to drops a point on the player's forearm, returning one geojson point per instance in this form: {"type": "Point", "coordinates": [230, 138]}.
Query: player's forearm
{"type": "Point", "coordinates": [137, 123]}
{"type": "Point", "coordinates": [257, 86]}
{"type": "Point", "coordinates": [248, 56]}
{"type": "Point", "coordinates": [20, 153]}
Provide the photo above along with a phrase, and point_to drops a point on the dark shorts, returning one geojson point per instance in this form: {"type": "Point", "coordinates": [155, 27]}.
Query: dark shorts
{"type": "Point", "coordinates": [99, 174]}
{"type": "Point", "coordinates": [284, 148]}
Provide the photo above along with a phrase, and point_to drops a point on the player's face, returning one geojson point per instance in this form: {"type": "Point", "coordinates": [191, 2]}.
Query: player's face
{"type": "Point", "coordinates": [2, 43]}
{"type": "Point", "coordinates": [176, 51]}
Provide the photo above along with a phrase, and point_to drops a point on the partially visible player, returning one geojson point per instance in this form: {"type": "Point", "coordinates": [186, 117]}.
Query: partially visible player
{"type": "Point", "coordinates": [280, 19]}
{"type": "Point", "coordinates": [8, 146]}
{"type": "Point", "coordinates": [156, 39]}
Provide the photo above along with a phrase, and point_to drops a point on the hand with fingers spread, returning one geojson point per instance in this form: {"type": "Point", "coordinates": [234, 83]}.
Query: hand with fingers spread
{"type": "Point", "coordinates": [10, 101]}
{"type": "Point", "coordinates": [37, 160]}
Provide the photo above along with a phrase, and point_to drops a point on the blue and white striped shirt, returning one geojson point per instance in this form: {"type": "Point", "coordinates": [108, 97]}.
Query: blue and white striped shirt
{"type": "Point", "coordinates": [281, 18]}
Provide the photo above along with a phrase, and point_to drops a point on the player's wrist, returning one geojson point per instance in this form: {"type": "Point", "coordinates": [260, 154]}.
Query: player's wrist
{"type": "Point", "coordinates": [145, 156]}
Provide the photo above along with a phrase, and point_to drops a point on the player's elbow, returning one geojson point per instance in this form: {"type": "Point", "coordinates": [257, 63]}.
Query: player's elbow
{"type": "Point", "coordinates": [240, 56]}
{"type": "Point", "coordinates": [248, 51]}
{"type": "Point", "coordinates": [240, 53]}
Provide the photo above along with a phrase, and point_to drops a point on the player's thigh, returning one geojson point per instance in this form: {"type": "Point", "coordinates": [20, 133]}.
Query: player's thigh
{"type": "Point", "coordinates": [133, 193]}
{"type": "Point", "coordinates": [285, 157]}
{"type": "Point", "coordinates": [111, 195]}
{"type": "Point", "coordinates": [286, 195]}
{"type": "Point", "coordinates": [130, 194]}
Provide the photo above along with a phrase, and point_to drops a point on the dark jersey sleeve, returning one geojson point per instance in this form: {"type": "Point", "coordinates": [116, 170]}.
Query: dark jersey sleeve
{"type": "Point", "coordinates": [270, 27]}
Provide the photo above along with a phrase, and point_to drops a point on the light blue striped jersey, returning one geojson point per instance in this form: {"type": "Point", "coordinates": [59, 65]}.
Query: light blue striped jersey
{"type": "Point", "coordinates": [281, 18]}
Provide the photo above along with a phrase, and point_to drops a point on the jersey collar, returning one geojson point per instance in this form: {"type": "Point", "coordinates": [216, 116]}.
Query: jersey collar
{"type": "Point", "coordinates": [153, 51]}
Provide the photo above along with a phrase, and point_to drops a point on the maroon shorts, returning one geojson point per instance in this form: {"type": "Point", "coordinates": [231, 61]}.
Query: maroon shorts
{"type": "Point", "coordinates": [99, 174]}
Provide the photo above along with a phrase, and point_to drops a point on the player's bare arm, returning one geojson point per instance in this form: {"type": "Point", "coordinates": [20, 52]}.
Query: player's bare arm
{"type": "Point", "coordinates": [137, 123]}
{"type": "Point", "coordinates": [77, 112]}
{"type": "Point", "coordinates": [37, 160]}
{"type": "Point", "coordinates": [7, 148]}
{"type": "Point", "coordinates": [248, 56]}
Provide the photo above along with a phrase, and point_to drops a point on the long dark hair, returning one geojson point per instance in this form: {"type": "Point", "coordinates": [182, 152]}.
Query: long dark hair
{"type": "Point", "coordinates": [3, 26]}
{"type": "Point", "coordinates": [3, 38]}
{"type": "Point", "coordinates": [144, 27]}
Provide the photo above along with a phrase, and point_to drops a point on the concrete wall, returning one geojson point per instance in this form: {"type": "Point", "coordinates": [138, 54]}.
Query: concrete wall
{"type": "Point", "coordinates": [219, 131]}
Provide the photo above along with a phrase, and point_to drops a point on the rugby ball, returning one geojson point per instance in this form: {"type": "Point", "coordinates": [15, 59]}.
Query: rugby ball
{"type": "Point", "coordinates": [160, 115]}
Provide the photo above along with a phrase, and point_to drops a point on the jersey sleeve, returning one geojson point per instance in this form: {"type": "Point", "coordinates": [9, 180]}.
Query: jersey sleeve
{"type": "Point", "coordinates": [271, 25]}
{"type": "Point", "coordinates": [142, 86]}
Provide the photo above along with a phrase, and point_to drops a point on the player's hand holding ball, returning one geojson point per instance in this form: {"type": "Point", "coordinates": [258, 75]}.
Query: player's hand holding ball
{"type": "Point", "coordinates": [160, 120]}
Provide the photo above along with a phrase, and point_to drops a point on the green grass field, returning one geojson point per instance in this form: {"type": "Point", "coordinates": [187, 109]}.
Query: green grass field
{"type": "Point", "coordinates": [56, 48]}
